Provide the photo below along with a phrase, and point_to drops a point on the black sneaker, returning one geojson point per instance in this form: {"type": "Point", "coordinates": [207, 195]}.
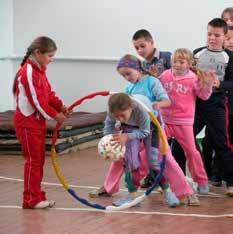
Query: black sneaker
{"type": "Point", "coordinates": [100, 192]}
{"type": "Point", "coordinates": [216, 181]}
{"type": "Point", "coordinates": [147, 181]}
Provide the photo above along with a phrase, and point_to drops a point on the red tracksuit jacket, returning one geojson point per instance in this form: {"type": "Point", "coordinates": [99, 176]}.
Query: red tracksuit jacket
{"type": "Point", "coordinates": [35, 99]}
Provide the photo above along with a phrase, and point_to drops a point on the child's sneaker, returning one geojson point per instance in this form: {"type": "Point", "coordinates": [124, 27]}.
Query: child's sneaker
{"type": "Point", "coordinates": [171, 199]}
{"type": "Point", "coordinates": [42, 205]}
{"type": "Point", "coordinates": [216, 181]}
{"type": "Point", "coordinates": [123, 201]}
{"type": "Point", "coordinates": [229, 191]}
{"type": "Point", "coordinates": [100, 192]}
{"type": "Point", "coordinates": [193, 200]}
{"type": "Point", "coordinates": [203, 189]}
{"type": "Point", "coordinates": [51, 203]}
{"type": "Point", "coordinates": [147, 181]}
{"type": "Point", "coordinates": [184, 201]}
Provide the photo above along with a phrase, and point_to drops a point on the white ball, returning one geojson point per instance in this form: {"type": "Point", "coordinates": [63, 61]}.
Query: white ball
{"type": "Point", "coordinates": [109, 151]}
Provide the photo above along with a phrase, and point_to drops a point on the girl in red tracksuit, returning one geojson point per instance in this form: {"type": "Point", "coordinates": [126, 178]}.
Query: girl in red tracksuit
{"type": "Point", "coordinates": [36, 102]}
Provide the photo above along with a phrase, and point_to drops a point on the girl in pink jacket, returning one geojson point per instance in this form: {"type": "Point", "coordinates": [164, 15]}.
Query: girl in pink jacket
{"type": "Point", "coordinates": [183, 86]}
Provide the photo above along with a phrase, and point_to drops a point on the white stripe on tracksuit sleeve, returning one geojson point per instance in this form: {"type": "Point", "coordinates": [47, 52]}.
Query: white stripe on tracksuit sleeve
{"type": "Point", "coordinates": [33, 93]}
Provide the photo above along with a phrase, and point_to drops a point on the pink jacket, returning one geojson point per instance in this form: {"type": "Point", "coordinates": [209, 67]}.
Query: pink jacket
{"type": "Point", "coordinates": [182, 91]}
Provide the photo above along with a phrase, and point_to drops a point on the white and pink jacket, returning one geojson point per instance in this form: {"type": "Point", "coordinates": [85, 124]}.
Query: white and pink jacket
{"type": "Point", "coordinates": [182, 91]}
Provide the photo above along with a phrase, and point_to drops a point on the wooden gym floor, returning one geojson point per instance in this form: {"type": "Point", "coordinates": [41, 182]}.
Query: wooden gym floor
{"type": "Point", "coordinates": [85, 170]}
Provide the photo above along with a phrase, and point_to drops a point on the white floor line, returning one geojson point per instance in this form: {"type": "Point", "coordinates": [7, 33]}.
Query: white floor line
{"type": "Point", "coordinates": [70, 185]}
{"type": "Point", "coordinates": [129, 212]}
{"type": "Point", "coordinates": [94, 187]}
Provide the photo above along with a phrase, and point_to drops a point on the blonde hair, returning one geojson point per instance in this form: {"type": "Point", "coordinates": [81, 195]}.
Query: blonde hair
{"type": "Point", "coordinates": [183, 53]}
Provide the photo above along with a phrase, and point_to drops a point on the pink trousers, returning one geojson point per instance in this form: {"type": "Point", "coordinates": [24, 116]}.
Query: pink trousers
{"type": "Point", "coordinates": [172, 173]}
{"type": "Point", "coordinates": [184, 135]}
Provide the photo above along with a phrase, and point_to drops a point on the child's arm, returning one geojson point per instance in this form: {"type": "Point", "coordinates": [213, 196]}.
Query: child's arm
{"type": "Point", "coordinates": [227, 84]}
{"type": "Point", "coordinates": [141, 119]}
{"type": "Point", "coordinates": [109, 125]}
{"type": "Point", "coordinates": [205, 83]}
{"type": "Point", "coordinates": [120, 138]}
{"type": "Point", "coordinates": [153, 70]}
{"type": "Point", "coordinates": [60, 117]}
{"type": "Point", "coordinates": [161, 104]}
{"type": "Point", "coordinates": [159, 94]}
{"type": "Point", "coordinates": [39, 100]}
{"type": "Point", "coordinates": [54, 101]}
{"type": "Point", "coordinates": [66, 111]}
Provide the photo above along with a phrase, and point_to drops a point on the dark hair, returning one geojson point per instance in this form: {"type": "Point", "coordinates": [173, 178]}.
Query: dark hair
{"type": "Point", "coordinates": [43, 44]}
{"type": "Point", "coordinates": [142, 33]}
{"type": "Point", "coordinates": [119, 102]}
{"type": "Point", "coordinates": [228, 10]}
{"type": "Point", "coordinates": [218, 23]}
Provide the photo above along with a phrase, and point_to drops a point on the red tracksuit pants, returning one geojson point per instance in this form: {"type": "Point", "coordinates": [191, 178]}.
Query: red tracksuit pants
{"type": "Point", "coordinates": [33, 147]}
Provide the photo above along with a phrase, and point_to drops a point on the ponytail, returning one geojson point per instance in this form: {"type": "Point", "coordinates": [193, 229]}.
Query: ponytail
{"type": "Point", "coordinates": [14, 84]}
{"type": "Point", "coordinates": [26, 56]}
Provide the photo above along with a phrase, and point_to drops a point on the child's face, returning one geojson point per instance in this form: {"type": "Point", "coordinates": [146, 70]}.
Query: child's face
{"type": "Point", "coordinates": [228, 19]}
{"type": "Point", "coordinates": [44, 58]}
{"type": "Point", "coordinates": [229, 40]}
{"type": "Point", "coordinates": [130, 74]}
{"type": "Point", "coordinates": [122, 116]}
{"type": "Point", "coordinates": [144, 47]}
{"type": "Point", "coordinates": [215, 38]}
{"type": "Point", "coordinates": [179, 66]}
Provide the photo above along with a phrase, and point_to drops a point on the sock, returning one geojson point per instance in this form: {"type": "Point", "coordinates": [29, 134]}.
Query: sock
{"type": "Point", "coordinates": [129, 182]}
{"type": "Point", "coordinates": [166, 188]}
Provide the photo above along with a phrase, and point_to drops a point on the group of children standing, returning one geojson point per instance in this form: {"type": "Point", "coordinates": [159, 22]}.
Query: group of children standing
{"type": "Point", "coordinates": [198, 86]}
{"type": "Point", "coordinates": [186, 92]}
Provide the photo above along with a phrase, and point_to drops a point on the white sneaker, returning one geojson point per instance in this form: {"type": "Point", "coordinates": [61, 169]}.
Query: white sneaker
{"type": "Point", "coordinates": [193, 200]}
{"type": "Point", "coordinates": [171, 199]}
{"type": "Point", "coordinates": [42, 205]}
{"type": "Point", "coordinates": [51, 203]}
{"type": "Point", "coordinates": [203, 189]}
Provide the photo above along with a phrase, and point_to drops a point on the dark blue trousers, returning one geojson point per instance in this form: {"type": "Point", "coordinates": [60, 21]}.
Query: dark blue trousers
{"type": "Point", "coordinates": [212, 114]}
